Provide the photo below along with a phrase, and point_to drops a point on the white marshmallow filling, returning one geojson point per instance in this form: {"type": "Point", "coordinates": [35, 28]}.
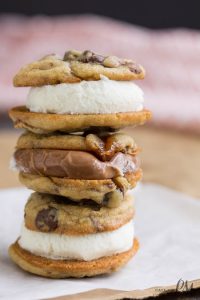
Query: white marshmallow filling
{"type": "Point", "coordinates": [103, 96]}
{"type": "Point", "coordinates": [85, 247]}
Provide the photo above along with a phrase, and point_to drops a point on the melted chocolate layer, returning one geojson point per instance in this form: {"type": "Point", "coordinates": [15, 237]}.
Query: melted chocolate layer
{"type": "Point", "coordinates": [73, 164]}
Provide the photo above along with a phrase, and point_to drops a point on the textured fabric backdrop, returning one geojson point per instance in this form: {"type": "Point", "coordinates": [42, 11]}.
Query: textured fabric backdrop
{"type": "Point", "coordinates": [171, 58]}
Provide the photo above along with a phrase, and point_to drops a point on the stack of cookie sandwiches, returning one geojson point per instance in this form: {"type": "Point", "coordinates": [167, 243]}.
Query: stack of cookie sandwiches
{"type": "Point", "coordinates": [79, 220]}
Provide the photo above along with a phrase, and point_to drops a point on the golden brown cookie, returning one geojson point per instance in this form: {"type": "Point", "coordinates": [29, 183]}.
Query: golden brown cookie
{"type": "Point", "coordinates": [50, 213]}
{"type": "Point", "coordinates": [108, 192]}
{"type": "Point", "coordinates": [69, 268]}
{"type": "Point", "coordinates": [103, 147]}
{"type": "Point", "coordinates": [49, 70]}
{"type": "Point", "coordinates": [46, 123]}
{"type": "Point", "coordinates": [76, 66]}
{"type": "Point", "coordinates": [88, 65]}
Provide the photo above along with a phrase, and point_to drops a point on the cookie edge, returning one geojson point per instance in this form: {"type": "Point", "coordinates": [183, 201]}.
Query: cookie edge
{"type": "Point", "coordinates": [46, 123]}
{"type": "Point", "coordinates": [64, 269]}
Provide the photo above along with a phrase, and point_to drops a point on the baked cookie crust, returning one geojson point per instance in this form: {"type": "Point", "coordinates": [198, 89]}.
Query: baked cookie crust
{"type": "Point", "coordinates": [108, 192]}
{"type": "Point", "coordinates": [76, 66]}
{"type": "Point", "coordinates": [69, 268]}
{"type": "Point", "coordinates": [103, 147]}
{"type": "Point", "coordinates": [50, 213]}
{"type": "Point", "coordinates": [47, 123]}
{"type": "Point", "coordinates": [51, 69]}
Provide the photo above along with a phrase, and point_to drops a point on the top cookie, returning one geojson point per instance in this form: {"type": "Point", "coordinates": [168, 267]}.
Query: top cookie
{"type": "Point", "coordinates": [76, 66]}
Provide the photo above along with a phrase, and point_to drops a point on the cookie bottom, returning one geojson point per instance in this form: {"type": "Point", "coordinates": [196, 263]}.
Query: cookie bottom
{"type": "Point", "coordinates": [47, 123]}
{"type": "Point", "coordinates": [69, 268]}
{"type": "Point", "coordinates": [106, 192]}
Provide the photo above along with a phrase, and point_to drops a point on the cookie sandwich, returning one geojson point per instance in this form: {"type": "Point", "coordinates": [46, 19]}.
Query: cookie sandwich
{"type": "Point", "coordinates": [79, 220]}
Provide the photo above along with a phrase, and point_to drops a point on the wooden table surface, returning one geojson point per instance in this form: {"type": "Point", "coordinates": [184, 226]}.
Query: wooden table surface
{"type": "Point", "coordinates": [168, 158]}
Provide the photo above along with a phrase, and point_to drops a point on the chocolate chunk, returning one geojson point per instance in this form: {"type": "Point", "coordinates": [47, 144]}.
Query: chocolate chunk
{"type": "Point", "coordinates": [97, 58]}
{"type": "Point", "coordinates": [85, 56]}
{"type": "Point", "coordinates": [47, 219]}
{"type": "Point", "coordinates": [107, 61]}
{"type": "Point", "coordinates": [135, 69]}
{"type": "Point", "coordinates": [89, 203]}
{"type": "Point", "coordinates": [90, 57]}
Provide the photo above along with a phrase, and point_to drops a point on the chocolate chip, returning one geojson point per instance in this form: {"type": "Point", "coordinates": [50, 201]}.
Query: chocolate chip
{"type": "Point", "coordinates": [109, 61]}
{"type": "Point", "coordinates": [89, 203]}
{"type": "Point", "coordinates": [106, 199]}
{"type": "Point", "coordinates": [86, 56]}
{"type": "Point", "coordinates": [91, 57]}
{"type": "Point", "coordinates": [97, 58]}
{"type": "Point", "coordinates": [135, 69]}
{"type": "Point", "coordinates": [47, 219]}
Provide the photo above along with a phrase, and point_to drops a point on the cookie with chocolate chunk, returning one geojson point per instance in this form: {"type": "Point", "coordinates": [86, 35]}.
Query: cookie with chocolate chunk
{"type": "Point", "coordinates": [88, 65]}
{"type": "Point", "coordinates": [76, 66]}
{"type": "Point", "coordinates": [69, 268]}
{"type": "Point", "coordinates": [108, 192]}
{"type": "Point", "coordinates": [49, 70]}
{"type": "Point", "coordinates": [43, 123]}
{"type": "Point", "coordinates": [50, 213]}
{"type": "Point", "coordinates": [103, 146]}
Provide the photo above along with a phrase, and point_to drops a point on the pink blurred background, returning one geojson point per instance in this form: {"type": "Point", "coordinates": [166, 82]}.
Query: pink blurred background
{"type": "Point", "coordinates": [171, 58]}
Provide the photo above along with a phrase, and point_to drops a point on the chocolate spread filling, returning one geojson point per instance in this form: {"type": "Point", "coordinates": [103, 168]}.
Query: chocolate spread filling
{"type": "Point", "coordinates": [73, 164]}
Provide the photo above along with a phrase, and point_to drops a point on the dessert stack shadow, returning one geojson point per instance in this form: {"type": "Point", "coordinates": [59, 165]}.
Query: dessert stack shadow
{"type": "Point", "coordinates": [79, 220]}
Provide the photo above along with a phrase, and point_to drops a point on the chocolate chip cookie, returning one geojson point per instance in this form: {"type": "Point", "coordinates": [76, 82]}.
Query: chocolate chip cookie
{"type": "Point", "coordinates": [78, 222]}
{"type": "Point", "coordinates": [104, 146]}
{"type": "Point", "coordinates": [108, 192]}
{"type": "Point", "coordinates": [76, 66]}
{"type": "Point", "coordinates": [47, 123]}
{"type": "Point", "coordinates": [50, 213]}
